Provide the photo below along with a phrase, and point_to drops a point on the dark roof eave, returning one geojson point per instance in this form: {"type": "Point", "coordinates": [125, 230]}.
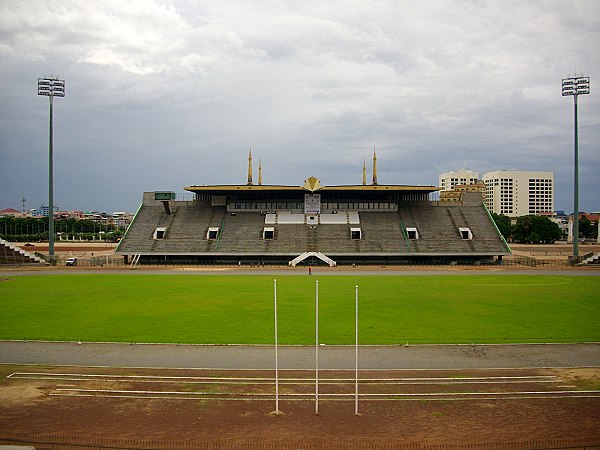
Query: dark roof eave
{"type": "Point", "coordinates": [271, 188]}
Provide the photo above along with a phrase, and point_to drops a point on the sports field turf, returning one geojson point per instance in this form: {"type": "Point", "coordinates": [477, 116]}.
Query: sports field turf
{"type": "Point", "coordinates": [239, 309]}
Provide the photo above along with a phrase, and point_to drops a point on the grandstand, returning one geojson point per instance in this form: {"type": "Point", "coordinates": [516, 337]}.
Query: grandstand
{"type": "Point", "coordinates": [312, 224]}
{"type": "Point", "coordinates": [13, 255]}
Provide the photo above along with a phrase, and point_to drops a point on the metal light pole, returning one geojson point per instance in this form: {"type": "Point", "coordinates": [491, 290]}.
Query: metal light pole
{"type": "Point", "coordinates": [356, 354]}
{"type": "Point", "coordinates": [575, 86]}
{"type": "Point", "coordinates": [317, 348]}
{"type": "Point", "coordinates": [51, 87]}
{"type": "Point", "coordinates": [276, 351]}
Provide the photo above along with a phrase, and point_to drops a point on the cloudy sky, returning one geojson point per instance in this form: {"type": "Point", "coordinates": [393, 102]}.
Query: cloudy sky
{"type": "Point", "coordinates": [162, 94]}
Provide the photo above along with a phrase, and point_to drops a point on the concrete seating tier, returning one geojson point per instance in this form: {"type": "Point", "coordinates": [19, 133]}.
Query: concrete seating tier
{"type": "Point", "coordinates": [289, 238]}
{"type": "Point", "coordinates": [334, 239]}
{"type": "Point", "coordinates": [138, 238]}
{"type": "Point", "coordinates": [382, 232]}
{"type": "Point", "coordinates": [242, 233]}
{"type": "Point", "coordinates": [186, 229]}
{"type": "Point", "coordinates": [438, 228]}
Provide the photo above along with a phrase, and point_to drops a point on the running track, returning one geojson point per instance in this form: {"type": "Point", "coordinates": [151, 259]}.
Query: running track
{"type": "Point", "coordinates": [330, 357]}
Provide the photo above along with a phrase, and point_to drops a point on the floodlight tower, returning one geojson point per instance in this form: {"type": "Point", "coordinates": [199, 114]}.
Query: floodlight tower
{"type": "Point", "coordinates": [576, 85]}
{"type": "Point", "coordinates": [51, 87]}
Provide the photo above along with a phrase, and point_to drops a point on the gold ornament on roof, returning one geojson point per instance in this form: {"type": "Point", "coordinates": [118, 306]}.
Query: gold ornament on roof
{"type": "Point", "coordinates": [312, 184]}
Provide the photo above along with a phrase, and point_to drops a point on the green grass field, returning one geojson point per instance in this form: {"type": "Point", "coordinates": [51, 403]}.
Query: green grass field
{"type": "Point", "coordinates": [239, 309]}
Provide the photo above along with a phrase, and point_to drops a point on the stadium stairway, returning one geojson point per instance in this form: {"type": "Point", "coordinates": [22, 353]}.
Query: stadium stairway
{"type": "Point", "coordinates": [593, 259]}
{"type": "Point", "coordinates": [13, 255]}
{"type": "Point", "coordinates": [312, 239]}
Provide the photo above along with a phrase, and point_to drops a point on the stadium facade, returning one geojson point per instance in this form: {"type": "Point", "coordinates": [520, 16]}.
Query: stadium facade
{"type": "Point", "coordinates": [312, 224]}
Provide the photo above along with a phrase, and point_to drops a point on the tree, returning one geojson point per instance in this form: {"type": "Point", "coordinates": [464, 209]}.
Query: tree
{"type": "Point", "coordinates": [587, 228]}
{"type": "Point", "coordinates": [503, 223]}
{"type": "Point", "coordinates": [23, 229]}
{"type": "Point", "coordinates": [535, 229]}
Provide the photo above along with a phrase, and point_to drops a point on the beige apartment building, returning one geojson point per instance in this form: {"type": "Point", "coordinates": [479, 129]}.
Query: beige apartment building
{"type": "Point", "coordinates": [516, 193]}
{"type": "Point", "coordinates": [448, 180]}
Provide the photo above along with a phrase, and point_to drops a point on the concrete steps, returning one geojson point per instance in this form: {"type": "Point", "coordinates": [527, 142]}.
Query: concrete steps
{"type": "Point", "coordinates": [11, 254]}
{"type": "Point", "coordinates": [591, 260]}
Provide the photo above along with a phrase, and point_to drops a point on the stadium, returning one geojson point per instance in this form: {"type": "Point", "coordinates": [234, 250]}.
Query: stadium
{"type": "Point", "coordinates": [195, 357]}
{"type": "Point", "coordinates": [312, 224]}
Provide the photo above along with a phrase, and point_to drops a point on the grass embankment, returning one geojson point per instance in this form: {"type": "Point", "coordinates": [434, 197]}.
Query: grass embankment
{"type": "Point", "coordinates": [239, 309]}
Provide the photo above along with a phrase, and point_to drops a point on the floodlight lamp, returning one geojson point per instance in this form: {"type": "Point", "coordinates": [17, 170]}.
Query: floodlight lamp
{"type": "Point", "coordinates": [51, 87]}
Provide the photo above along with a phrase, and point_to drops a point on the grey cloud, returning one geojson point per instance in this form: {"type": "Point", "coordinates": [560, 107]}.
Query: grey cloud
{"type": "Point", "coordinates": [166, 94]}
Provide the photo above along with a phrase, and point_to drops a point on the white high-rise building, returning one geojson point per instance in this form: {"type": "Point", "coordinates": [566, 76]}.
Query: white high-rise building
{"type": "Point", "coordinates": [450, 179]}
{"type": "Point", "coordinates": [516, 193]}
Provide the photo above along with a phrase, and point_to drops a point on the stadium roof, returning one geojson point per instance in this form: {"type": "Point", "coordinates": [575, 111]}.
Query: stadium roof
{"type": "Point", "coordinates": [312, 184]}
{"type": "Point", "coordinates": [263, 187]}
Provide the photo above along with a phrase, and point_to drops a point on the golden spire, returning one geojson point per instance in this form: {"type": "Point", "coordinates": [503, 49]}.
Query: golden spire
{"type": "Point", "coordinates": [250, 167]}
{"type": "Point", "coordinates": [374, 167]}
{"type": "Point", "coordinates": [364, 172]}
{"type": "Point", "coordinates": [259, 172]}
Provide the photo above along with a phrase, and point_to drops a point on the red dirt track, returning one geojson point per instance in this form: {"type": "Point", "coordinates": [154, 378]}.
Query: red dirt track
{"type": "Point", "coordinates": [444, 409]}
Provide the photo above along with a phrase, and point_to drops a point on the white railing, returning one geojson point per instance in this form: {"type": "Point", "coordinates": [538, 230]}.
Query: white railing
{"type": "Point", "coordinates": [305, 255]}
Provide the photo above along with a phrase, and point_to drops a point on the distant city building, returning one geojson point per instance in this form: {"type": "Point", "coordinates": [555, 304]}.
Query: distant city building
{"type": "Point", "coordinates": [96, 216]}
{"type": "Point", "coordinates": [42, 211]}
{"type": "Point", "coordinates": [121, 219]}
{"type": "Point", "coordinates": [448, 180]}
{"type": "Point", "coordinates": [68, 215]}
{"type": "Point", "coordinates": [10, 212]}
{"type": "Point", "coordinates": [516, 193]}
